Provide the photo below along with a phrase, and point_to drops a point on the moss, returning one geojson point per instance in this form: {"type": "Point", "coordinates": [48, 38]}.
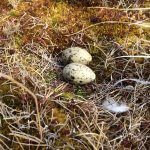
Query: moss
{"type": "Point", "coordinates": [18, 41]}
{"type": "Point", "coordinates": [14, 13]}
{"type": "Point", "coordinates": [56, 25]}
{"type": "Point", "coordinates": [68, 95]}
{"type": "Point", "coordinates": [9, 96]}
{"type": "Point", "coordinates": [59, 115]}
{"type": "Point", "coordinates": [4, 7]}
{"type": "Point", "coordinates": [4, 88]}
{"type": "Point", "coordinates": [80, 91]}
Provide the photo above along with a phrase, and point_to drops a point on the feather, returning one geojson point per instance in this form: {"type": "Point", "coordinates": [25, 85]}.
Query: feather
{"type": "Point", "coordinates": [114, 106]}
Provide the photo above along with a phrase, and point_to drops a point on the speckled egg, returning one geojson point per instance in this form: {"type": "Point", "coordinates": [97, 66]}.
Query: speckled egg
{"type": "Point", "coordinates": [78, 73]}
{"type": "Point", "coordinates": [76, 55]}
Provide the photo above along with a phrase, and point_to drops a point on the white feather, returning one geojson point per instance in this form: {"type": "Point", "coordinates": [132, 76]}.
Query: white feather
{"type": "Point", "coordinates": [113, 106]}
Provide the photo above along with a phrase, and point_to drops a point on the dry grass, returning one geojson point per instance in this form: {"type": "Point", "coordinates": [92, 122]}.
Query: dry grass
{"type": "Point", "coordinates": [39, 110]}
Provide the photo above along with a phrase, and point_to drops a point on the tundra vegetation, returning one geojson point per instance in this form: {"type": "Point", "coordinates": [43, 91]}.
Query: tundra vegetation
{"type": "Point", "coordinates": [39, 109]}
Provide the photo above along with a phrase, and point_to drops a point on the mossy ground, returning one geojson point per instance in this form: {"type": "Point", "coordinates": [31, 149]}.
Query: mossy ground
{"type": "Point", "coordinates": [33, 34]}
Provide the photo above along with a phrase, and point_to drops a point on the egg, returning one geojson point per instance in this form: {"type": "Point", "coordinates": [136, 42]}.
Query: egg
{"type": "Point", "coordinates": [78, 73]}
{"type": "Point", "coordinates": [76, 55]}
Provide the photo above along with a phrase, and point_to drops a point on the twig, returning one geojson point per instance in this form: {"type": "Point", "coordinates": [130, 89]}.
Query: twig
{"type": "Point", "coordinates": [32, 94]}
{"type": "Point", "coordinates": [136, 80]}
{"type": "Point", "coordinates": [134, 56]}
{"type": "Point", "coordinates": [140, 24]}
{"type": "Point", "coordinates": [147, 8]}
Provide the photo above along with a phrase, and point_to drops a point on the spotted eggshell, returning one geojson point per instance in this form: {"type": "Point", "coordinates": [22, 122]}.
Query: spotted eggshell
{"type": "Point", "coordinates": [76, 55]}
{"type": "Point", "coordinates": [78, 73]}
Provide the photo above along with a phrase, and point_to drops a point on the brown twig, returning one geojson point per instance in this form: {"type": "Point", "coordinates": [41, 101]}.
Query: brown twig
{"type": "Point", "coordinates": [31, 93]}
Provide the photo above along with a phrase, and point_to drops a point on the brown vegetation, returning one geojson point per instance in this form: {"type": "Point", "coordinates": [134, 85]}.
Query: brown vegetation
{"type": "Point", "coordinates": [38, 109]}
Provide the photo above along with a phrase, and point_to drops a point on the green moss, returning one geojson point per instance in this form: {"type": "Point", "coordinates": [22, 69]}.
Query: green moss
{"type": "Point", "coordinates": [14, 13]}
{"type": "Point", "coordinates": [18, 41]}
{"type": "Point", "coordinates": [68, 95]}
{"type": "Point", "coordinates": [80, 91]}
{"type": "Point", "coordinates": [68, 148]}
{"type": "Point", "coordinates": [59, 115]}
{"type": "Point", "coordinates": [51, 76]}
{"type": "Point", "coordinates": [4, 88]}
